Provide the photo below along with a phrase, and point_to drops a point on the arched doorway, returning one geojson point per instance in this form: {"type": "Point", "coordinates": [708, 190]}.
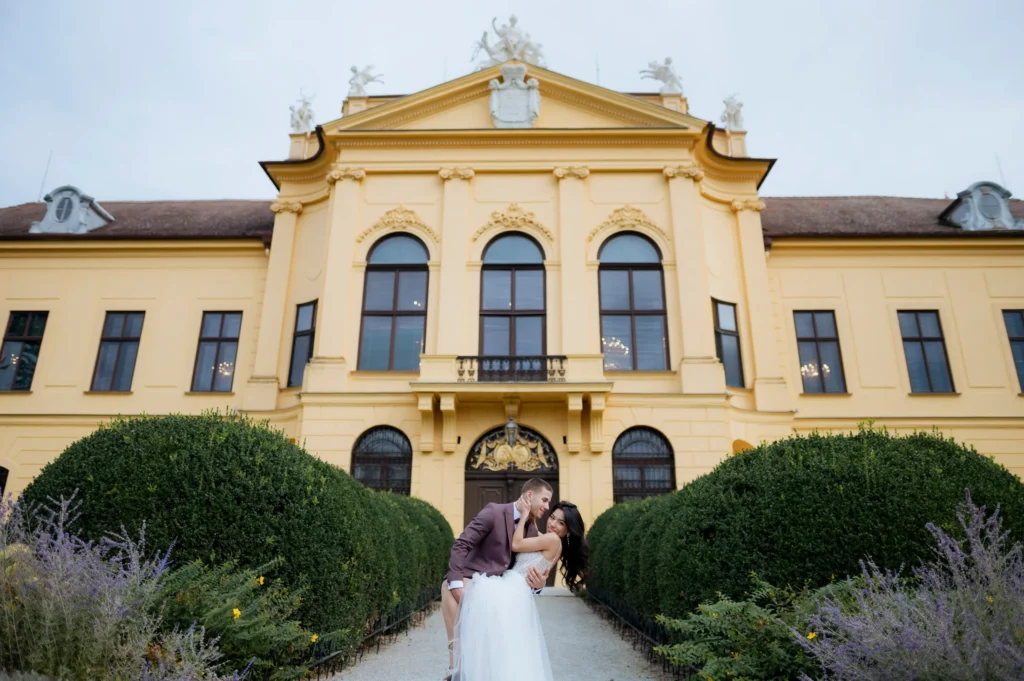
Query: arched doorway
{"type": "Point", "coordinates": [497, 468]}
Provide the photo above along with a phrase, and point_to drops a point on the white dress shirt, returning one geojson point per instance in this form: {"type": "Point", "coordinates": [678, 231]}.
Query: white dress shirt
{"type": "Point", "coordinates": [516, 515]}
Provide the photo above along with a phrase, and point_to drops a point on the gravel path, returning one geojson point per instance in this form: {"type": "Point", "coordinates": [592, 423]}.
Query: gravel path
{"type": "Point", "coordinates": [583, 647]}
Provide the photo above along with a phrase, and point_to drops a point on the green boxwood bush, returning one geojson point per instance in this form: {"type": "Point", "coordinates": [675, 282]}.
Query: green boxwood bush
{"type": "Point", "coordinates": [224, 488]}
{"type": "Point", "coordinates": [803, 510]}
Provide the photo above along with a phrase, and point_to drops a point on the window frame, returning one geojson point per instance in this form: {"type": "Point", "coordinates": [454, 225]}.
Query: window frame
{"type": "Point", "coordinates": [619, 495]}
{"type": "Point", "coordinates": [394, 313]}
{"type": "Point", "coordinates": [23, 339]}
{"type": "Point", "coordinates": [383, 462]}
{"type": "Point", "coordinates": [1014, 339]}
{"type": "Point", "coordinates": [311, 332]}
{"type": "Point", "coordinates": [219, 339]}
{"type": "Point", "coordinates": [921, 340]}
{"type": "Point", "coordinates": [633, 313]}
{"type": "Point", "coordinates": [513, 313]}
{"type": "Point", "coordinates": [120, 340]}
{"type": "Point", "coordinates": [817, 339]}
{"type": "Point", "coordinates": [719, 332]}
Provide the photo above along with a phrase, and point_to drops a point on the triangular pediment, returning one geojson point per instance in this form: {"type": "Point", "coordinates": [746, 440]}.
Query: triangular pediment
{"type": "Point", "coordinates": [464, 104]}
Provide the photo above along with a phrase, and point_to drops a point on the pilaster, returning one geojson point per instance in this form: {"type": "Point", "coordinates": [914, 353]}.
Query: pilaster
{"type": "Point", "coordinates": [574, 413]}
{"type": "Point", "coordinates": [449, 437]}
{"type": "Point", "coordinates": [597, 405]}
{"type": "Point", "coordinates": [573, 248]}
{"type": "Point", "coordinates": [425, 403]}
{"type": "Point", "coordinates": [450, 336]}
{"type": "Point", "coordinates": [770, 393]}
{"type": "Point", "coordinates": [699, 370]}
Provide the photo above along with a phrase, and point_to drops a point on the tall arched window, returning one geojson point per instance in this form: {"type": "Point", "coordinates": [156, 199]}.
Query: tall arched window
{"type": "Point", "coordinates": [382, 460]}
{"type": "Point", "coordinates": [512, 316]}
{"type": "Point", "coordinates": [643, 465]}
{"type": "Point", "coordinates": [394, 305]}
{"type": "Point", "coordinates": [632, 290]}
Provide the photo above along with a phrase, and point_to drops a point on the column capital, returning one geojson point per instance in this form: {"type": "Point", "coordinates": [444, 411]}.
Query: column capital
{"type": "Point", "coordinates": [578, 172]}
{"type": "Point", "coordinates": [286, 207]}
{"type": "Point", "coordinates": [338, 173]}
{"type": "Point", "coordinates": [756, 205]}
{"type": "Point", "coordinates": [688, 171]}
{"type": "Point", "coordinates": [456, 173]}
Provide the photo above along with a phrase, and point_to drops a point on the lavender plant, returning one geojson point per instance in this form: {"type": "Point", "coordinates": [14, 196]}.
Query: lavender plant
{"type": "Point", "coordinates": [960, 616]}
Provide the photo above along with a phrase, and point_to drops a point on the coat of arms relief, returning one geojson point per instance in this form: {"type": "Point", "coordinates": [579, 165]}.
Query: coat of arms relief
{"type": "Point", "coordinates": [515, 101]}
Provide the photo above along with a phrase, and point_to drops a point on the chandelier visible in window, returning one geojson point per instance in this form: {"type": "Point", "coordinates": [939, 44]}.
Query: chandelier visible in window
{"type": "Point", "coordinates": [810, 369]}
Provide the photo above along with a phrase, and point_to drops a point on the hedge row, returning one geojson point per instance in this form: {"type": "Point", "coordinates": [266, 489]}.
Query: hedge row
{"type": "Point", "coordinates": [800, 510]}
{"type": "Point", "coordinates": [221, 488]}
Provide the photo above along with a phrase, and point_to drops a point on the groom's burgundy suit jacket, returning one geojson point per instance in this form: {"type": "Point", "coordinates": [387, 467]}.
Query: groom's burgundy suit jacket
{"type": "Point", "coordinates": [486, 543]}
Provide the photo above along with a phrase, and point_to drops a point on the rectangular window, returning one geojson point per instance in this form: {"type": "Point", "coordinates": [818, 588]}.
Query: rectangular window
{"type": "Point", "coordinates": [119, 347]}
{"type": "Point", "coordinates": [218, 346]}
{"type": "Point", "coordinates": [925, 348]}
{"type": "Point", "coordinates": [1015, 330]}
{"type": "Point", "coordinates": [821, 363]}
{"type": "Point", "coordinates": [20, 350]}
{"type": "Point", "coordinates": [302, 342]}
{"type": "Point", "coordinates": [727, 342]}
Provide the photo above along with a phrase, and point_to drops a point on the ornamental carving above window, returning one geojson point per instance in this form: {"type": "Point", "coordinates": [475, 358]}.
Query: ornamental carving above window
{"type": "Point", "coordinates": [529, 453]}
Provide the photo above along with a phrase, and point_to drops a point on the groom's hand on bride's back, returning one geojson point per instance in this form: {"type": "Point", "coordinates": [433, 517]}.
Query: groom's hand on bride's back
{"type": "Point", "coordinates": [537, 579]}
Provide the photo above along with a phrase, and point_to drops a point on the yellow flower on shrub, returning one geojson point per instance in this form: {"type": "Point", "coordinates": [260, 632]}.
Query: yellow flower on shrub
{"type": "Point", "coordinates": [314, 638]}
{"type": "Point", "coordinates": [812, 636]}
{"type": "Point", "coordinates": [261, 580]}
{"type": "Point", "coordinates": [237, 613]}
{"type": "Point", "coordinates": [989, 599]}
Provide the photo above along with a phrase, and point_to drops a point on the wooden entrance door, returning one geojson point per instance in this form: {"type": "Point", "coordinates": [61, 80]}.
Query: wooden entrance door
{"type": "Point", "coordinates": [496, 471]}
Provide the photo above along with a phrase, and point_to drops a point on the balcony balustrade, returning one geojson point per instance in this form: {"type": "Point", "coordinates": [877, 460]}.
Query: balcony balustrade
{"type": "Point", "coordinates": [514, 369]}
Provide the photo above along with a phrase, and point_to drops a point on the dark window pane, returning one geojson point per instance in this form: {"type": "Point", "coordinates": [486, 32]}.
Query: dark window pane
{"type": "Point", "coordinates": [810, 369]}
{"type": "Point", "coordinates": [304, 318]}
{"type": "Point", "coordinates": [650, 343]}
{"type": "Point", "coordinates": [647, 290]}
{"type": "Point", "coordinates": [614, 290]}
{"type": "Point", "coordinates": [831, 367]}
{"type": "Point", "coordinates": [726, 317]}
{"type": "Point", "coordinates": [17, 323]}
{"type": "Point", "coordinates": [826, 322]}
{"type": "Point", "coordinates": [114, 324]}
{"type": "Point", "coordinates": [205, 358]}
{"type": "Point", "coordinates": [408, 343]}
{"type": "Point", "coordinates": [10, 355]}
{"type": "Point", "coordinates": [300, 356]}
{"type": "Point", "coordinates": [497, 293]}
{"type": "Point", "coordinates": [617, 343]}
{"type": "Point", "coordinates": [916, 367]}
{"type": "Point", "coordinates": [376, 348]}
{"type": "Point", "coordinates": [37, 324]}
{"type": "Point", "coordinates": [628, 248]}
{"type": "Point", "coordinates": [126, 366]}
{"type": "Point", "coordinates": [232, 325]}
{"type": "Point", "coordinates": [399, 476]}
{"type": "Point", "coordinates": [658, 478]}
{"type": "Point", "coordinates": [105, 366]}
{"type": "Point", "coordinates": [929, 322]}
{"type": "Point", "coordinates": [26, 365]}
{"type": "Point", "coordinates": [908, 324]}
{"type": "Point", "coordinates": [368, 474]}
{"type": "Point", "coordinates": [1017, 347]}
{"type": "Point", "coordinates": [399, 250]}
{"type": "Point", "coordinates": [496, 335]}
{"type": "Point", "coordinates": [1014, 323]}
{"type": "Point", "coordinates": [530, 290]}
{"type": "Point", "coordinates": [804, 324]}
{"type": "Point", "coordinates": [225, 366]}
{"type": "Point", "coordinates": [133, 325]}
{"type": "Point", "coordinates": [211, 324]}
{"type": "Point", "coordinates": [627, 476]}
{"type": "Point", "coordinates": [938, 370]}
{"type": "Point", "coordinates": [731, 360]}
{"type": "Point", "coordinates": [529, 336]}
{"type": "Point", "coordinates": [513, 249]}
{"type": "Point", "coordinates": [412, 291]}
{"type": "Point", "coordinates": [380, 291]}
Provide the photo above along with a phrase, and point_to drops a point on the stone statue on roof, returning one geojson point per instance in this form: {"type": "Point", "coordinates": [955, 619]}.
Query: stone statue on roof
{"type": "Point", "coordinates": [665, 73]}
{"type": "Point", "coordinates": [360, 79]}
{"type": "Point", "coordinates": [512, 43]}
{"type": "Point", "coordinates": [732, 117]}
{"type": "Point", "coordinates": [302, 115]}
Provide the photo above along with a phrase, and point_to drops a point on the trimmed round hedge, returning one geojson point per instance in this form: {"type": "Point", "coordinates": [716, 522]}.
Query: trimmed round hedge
{"type": "Point", "coordinates": [221, 488]}
{"type": "Point", "coordinates": [803, 509]}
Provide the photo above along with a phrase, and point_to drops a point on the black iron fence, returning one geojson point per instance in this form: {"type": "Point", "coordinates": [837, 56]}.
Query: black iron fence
{"type": "Point", "coordinates": [515, 369]}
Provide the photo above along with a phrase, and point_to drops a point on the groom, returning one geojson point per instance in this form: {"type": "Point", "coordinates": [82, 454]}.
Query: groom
{"type": "Point", "coordinates": [486, 546]}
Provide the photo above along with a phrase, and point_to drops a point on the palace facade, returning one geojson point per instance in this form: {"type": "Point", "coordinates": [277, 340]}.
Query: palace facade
{"type": "Point", "coordinates": [444, 304]}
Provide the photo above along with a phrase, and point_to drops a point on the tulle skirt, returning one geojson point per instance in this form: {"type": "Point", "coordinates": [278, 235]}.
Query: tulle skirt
{"type": "Point", "coordinates": [498, 636]}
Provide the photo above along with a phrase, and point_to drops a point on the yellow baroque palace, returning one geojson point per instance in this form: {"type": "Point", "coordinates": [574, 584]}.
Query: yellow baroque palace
{"type": "Point", "coordinates": [445, 306]}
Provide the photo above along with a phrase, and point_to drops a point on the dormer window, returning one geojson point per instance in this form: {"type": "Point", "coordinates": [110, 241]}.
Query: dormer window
{"type": "Point", "coordinates": [983, 205]}
{"type": "Point", "coordinates": [69, 211]}
{"type": "Point", "coordinates": [64, 209]}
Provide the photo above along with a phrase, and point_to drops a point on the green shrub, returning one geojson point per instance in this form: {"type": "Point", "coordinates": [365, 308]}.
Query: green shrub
{"type": "Point", "coordinates": [223, 488]}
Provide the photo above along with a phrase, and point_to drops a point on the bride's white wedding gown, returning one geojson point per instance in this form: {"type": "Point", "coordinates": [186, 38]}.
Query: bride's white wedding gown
{"type": "Point", "coordinates": [498, 636]}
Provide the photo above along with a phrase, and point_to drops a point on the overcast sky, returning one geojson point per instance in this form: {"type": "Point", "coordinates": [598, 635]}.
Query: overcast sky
{"type": "Point", "coordinates": [180, 100]}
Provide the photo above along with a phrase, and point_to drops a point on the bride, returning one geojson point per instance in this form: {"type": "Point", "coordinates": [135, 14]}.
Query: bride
{"type": "Point", "coordinates": [498, 634]}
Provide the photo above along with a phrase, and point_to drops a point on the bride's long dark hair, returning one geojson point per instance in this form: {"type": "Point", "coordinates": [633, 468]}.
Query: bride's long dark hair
{"type": "Point", "coordinates": [575, 550]}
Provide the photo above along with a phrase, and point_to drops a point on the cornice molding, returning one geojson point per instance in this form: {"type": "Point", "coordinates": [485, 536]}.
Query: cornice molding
{"type": "Point", "coordinates": [339, 173]}
{"type": "Point", "coordinates": [578, 172]}
{"type": "Point", "coordinates": [461, 173]}
{"type": "Point", "coordinates": [397, 219]}
{"type": "Point", "coordinates": [627, 217]}
{"type": "Point", "coordinates": [286, 207]}
{"type": "Point", "coordinates": [514, 217]}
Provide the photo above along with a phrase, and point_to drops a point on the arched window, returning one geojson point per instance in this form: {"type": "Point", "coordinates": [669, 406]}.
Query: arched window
{"type": "Point", "coordinates": [512, 316]}
{"type": "Point", "coordinates": [643, 465]}
{"type": "Point", "coordinates": [632, 290]}
{"type": "Point", "coordinates": [394, 305]}
{"type": "Point", "coordinates": [382, 460]}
